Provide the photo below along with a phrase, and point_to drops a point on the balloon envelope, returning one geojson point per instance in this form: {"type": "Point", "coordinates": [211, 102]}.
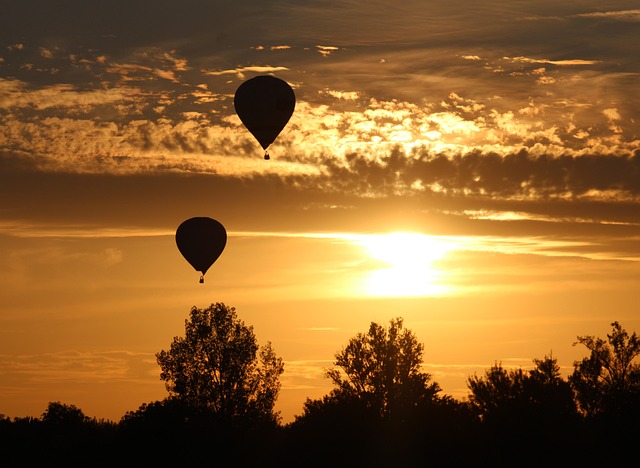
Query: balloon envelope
{"type": "Point", "coordinates": [265, 105]}
{"type": "Point", "coordinates": [201, 241]}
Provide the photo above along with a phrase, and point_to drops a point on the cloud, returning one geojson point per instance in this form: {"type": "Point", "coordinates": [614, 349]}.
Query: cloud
{"type": "Point", "coordinates": [325, 51]}
{"type": "Point", "coordinates": [509, 109]}
{"type": "Point", "coordinates": [460, 145]}
{"type": "Point", "coordinates": [80, 231]}
{"type": "Point", "coordinates": [167, 75]}
{"type": "Point", "coordinates": [240, 72]}
{"type": "Point", "coordinates": [104, 258]}
{"type": "Point", "coordinates": [612, 114]}
{"type": "Point", "coordinates": [16, 94]}
{"type": "Point", "coordinates": [273, 48]}
{"type": "Point", "coordinates": [149, 64]}
{"type": "Point", "coordinates": [560, 63]}
{"type": "Point", "coordinates": [345, 95]}
{"type": "Point", "coordinates": [77, 367]}
{"type": "Point", "coordinates": [621, 15]}
{"type": "Point", "coordinates": [523, 175]}
{"type": "Point", "coordinates": [305, 374]}
{"type": "Point", "coordinates": [46, 53]}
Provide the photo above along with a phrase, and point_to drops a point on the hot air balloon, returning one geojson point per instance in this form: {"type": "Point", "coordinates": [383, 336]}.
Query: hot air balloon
{"type": "Point", "coordinates": [265, 105]}
{"type": "Point", "coordinates": [201, 240]}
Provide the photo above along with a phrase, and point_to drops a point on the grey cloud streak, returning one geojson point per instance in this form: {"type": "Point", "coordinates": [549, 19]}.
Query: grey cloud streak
{"type": "Point", "coordinates": [581, 193]}
{"type": "Point", "coordinates": [518, 176]}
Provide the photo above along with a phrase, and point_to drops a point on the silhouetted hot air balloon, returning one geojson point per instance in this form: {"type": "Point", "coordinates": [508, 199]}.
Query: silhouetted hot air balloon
{"type": "Point", "coordinates": [265, 105]}
{"type": "Point", "coordinates": [201, 240]}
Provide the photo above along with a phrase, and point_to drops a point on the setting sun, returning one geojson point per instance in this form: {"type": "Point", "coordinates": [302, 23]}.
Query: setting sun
{"type": "Point", "coordinates": [408, 264]}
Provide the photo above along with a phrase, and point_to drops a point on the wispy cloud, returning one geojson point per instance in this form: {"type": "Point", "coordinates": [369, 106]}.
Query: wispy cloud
{"type": "Point", "coordinates": [16, 94]}
{"type": "Point", "coordinates": [273, 47]}
{"type": "Point", "coordinates": [241, 72]}
{"type": "Point", "coordinates": [32, 230]}
{"type": "Point", "coordinates": [305, 374]}
{"type": "Point", "coordinates": [326, 50]}
{"type": "Point", "coordinates": [622, 15]}
{"type": "Point", "coordinates": [78, 367]}
{"type": "Point", "coordinates": [561, 63]}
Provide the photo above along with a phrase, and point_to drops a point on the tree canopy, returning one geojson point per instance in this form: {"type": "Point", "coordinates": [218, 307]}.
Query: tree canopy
{"type": "Point", "coordinates": [382, 368]}
{"type": "Point", "coordinates": [219, 366]}
{"type": "Point", "coordinates": [61, 414]}
{"type": "Point", "coordinates": [539, 396]}
{"type": "Point", "coordinates": [607, 382]}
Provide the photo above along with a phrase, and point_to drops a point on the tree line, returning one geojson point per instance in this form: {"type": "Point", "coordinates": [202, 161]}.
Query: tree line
{"type": "Point", "coordinates": [383, 410]}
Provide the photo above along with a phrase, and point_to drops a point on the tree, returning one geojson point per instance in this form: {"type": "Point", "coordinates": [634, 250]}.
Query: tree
{"type": "Point", "coordinates": [219, 366]}
{"type": "Point", "coordinates": [382, 368]}
{"type": "Point", "coordinates": [383, 410]}
{"type": "Point", "coordinates": [60, 414]}
{"type": "Point", "coordinates": [608, 381]}
{"type": "Point", "coordinates": [516, 405]}
{"type": "Point", "coordinates": [537, 397]}
{"type": "Point", "coordinates": [549, 392]}
{"type": "Point", "coordinates": [495, 391]}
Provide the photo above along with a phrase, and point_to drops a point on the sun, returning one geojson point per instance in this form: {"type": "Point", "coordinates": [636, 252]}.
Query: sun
{"type": "Point", "coordinates": [407, 264]}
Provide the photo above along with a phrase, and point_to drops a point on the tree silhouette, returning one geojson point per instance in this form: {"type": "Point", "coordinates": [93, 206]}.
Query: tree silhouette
{"type": "Point", "coordinates": [537, 397]}
{"type": "Point", "coordinates": [516, 405]}
{"type": "Point", "coordinates": [549, 393]}
{"type": "Point", "coordinates": [63, 415]}
{"type": "Point", "coordinates": [63, 436]}
{"type": "Point", "coordinates": [382, 369]}
{"type": "Point", "coordinates": [608, 381]}
{"type": "Point", "coordinates": [219, 366]}
{"type": "Point", "coordinates": [383, 411]}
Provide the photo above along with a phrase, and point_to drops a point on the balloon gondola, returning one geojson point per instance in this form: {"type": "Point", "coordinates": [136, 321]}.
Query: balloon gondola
{"type": "Point", "coordinates": [201, 241]}
{"type": "Point", "coordinates": [264, 105]}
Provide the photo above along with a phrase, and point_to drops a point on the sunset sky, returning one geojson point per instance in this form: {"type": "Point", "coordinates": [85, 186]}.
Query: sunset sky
{"type": "Point", "coordinates": [472, 167]}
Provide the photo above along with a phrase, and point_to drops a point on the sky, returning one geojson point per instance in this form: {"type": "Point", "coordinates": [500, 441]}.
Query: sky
{"type": "Point", "coordinates": [471, 167]}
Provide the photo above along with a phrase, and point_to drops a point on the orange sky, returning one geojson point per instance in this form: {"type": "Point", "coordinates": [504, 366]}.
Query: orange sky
{"type": "Point", "coordinates": [505, 140]}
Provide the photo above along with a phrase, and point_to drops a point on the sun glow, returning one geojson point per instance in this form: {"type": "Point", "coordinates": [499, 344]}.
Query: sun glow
{"type": "Point", "coordinates": [408, 264]}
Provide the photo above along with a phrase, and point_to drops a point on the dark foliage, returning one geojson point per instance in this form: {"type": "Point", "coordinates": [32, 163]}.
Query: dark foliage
{"type": "Point", "coordinates": [174, 432]}
{"type": "Point", "coordinates": [607, 391]}
{"type": "Point", "coordinates": [219, 366]}
{"type": "Point", "coordinates": [384, 410]}
{"type": "Point", "coordinates": [63, 435]}
{"type": "Point", "coordinates": [607, 382]}
{"type": "Point", "coordinates": [513, 418]}
{"type": "Point", "coordinates": [438, 432]}
{"type": "Point", "coordinates": [382, 369]}
{"type": "Point", "coordinates": [518, 405]}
